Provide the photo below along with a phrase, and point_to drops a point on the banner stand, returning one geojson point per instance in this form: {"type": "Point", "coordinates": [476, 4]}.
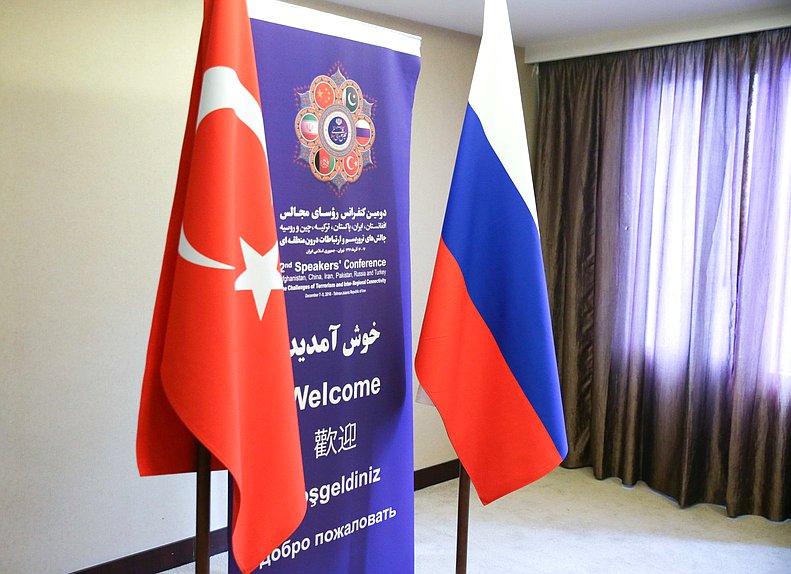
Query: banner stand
{"type": "Point", "coordinates": [336, 99]}
{"type": "Point", "coordinates": [462, 520]}
{"type": "Point", "coordinates": [202, 509]}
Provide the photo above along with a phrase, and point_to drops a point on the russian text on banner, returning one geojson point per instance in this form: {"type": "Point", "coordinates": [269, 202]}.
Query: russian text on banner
{"type": "Point", "coordinates": [337, 101]}
{"type": "Point", "coordinates": [218, 369]}
{"type": "Point", "coordinates": [486, 355]}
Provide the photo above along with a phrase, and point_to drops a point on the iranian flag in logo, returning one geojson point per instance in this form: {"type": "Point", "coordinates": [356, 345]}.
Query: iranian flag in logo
{"type": "Point", "coordinates": [309, 127]}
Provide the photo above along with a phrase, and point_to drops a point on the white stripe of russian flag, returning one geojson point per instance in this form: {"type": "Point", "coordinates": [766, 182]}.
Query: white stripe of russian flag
{"type": "Point", "coordinates": [502, 117]}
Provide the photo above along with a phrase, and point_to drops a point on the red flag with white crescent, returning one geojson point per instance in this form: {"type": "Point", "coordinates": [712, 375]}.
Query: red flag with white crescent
{"type": "Point", "coordinates": [218, 368]}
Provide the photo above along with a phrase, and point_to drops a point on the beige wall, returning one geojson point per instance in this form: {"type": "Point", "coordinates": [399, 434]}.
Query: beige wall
{"type": "Point", "coordinates": [93, 98]}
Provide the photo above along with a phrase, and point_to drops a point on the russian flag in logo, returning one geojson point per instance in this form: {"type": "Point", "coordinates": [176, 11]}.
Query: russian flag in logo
{"type": "Point", "coordinates": [486, 355]}
{"type": "Point", "coordinates": [362, 132]}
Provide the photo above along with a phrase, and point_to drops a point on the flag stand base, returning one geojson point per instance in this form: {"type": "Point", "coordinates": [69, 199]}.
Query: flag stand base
{"type": "Point", "coordinates": [202, 510]}
{"type": "Point", "coordinates": [462, 521]}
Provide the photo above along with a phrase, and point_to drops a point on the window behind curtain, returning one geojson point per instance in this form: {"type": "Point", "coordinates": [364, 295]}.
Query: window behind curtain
{"type": "Point", "coordinates": [778, 330]}
{"type": "Point", "coordinates": [664, 194]}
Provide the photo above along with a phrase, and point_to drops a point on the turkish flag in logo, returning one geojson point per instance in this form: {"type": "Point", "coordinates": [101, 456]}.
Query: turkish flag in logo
{"type": "Point", "coordinates": [218, 368]}
{"type": "Point", "coordinates": [351, 164]}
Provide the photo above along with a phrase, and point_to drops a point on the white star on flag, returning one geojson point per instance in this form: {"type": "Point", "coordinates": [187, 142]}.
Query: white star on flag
{"type": "Point", "coordinates": [261, 275]}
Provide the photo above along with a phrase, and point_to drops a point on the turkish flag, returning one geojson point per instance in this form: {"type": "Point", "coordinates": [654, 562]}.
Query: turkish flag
{"type": "Point", "coordinates": [218, 368]}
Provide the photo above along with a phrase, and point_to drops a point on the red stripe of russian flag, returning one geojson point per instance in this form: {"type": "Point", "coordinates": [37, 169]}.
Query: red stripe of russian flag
{"type": "Point", "coordinates": [454, 328]}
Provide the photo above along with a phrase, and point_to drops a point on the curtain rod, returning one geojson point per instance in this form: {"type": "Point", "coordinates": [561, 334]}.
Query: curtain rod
{"type": "Point", "coordinates": [651, 36]}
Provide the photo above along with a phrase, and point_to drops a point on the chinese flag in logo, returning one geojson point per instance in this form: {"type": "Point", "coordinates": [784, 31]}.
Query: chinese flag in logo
{"type": "Point", "coordinates": [325, 95]}
{"type": "Point", "coordinates": [218, 369]}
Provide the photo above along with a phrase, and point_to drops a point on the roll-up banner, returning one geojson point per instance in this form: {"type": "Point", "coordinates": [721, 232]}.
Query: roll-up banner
{"type": "Point", "coordinates": [337, 102]}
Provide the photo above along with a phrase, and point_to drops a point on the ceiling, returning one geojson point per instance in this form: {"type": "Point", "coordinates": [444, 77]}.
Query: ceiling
{"type": "Point", "coordinates": [548, 29]}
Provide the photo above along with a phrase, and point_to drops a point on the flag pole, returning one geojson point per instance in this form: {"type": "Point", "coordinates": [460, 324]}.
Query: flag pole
{"type": "Point", "coordinates": [462, 521]}
{"type": "Point", "coordinates": [202, 510]}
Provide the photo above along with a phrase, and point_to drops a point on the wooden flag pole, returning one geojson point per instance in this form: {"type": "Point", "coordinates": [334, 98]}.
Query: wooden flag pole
{"type": "Point", "coordinates": [202, 510]}
{"type": "Point", "coordinates": [463, 521]}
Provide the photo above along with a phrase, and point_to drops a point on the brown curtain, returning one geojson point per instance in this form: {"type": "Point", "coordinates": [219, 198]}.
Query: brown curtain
{"type": "Point", "coordinates": [664, 196]}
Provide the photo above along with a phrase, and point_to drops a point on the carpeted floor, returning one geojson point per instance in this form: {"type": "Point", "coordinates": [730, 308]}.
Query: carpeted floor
{"type": "Point", "coordinates": [570, 523]}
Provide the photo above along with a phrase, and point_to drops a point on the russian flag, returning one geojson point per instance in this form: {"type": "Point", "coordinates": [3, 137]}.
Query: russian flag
{"type": "Point", "coordinates": [486, 356]}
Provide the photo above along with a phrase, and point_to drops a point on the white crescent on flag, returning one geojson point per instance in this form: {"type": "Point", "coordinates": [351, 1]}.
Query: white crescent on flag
{"type": "Point", "coordinates": [351, 164]}
{"type": "Point", "coordinates": [222, 89]}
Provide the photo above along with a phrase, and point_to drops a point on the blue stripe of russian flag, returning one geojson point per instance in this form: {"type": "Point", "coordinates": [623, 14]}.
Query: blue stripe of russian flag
{"type": "Point", "coordinates": [495, 242]}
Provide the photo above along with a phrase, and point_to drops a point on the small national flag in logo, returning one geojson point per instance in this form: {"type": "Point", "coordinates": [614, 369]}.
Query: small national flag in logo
{"type": "Point", "coordinates": [309, 127]}
{"type": "Point", "coordinates": [351, 98]}
{"type": "Point", "coordinates": [351, 165]}
{"type": "Point", "coordinates": [362, 132]}
{"type": "Point", "coordinates": [325, 95]}
{"type": "Point", "coordinates": [324, 162]}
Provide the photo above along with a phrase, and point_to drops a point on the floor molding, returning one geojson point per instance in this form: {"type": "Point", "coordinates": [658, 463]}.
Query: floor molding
{"type": "Point", "coordinates": [160, 558]}
{"type": "Point", "coordinates": [182, 552]}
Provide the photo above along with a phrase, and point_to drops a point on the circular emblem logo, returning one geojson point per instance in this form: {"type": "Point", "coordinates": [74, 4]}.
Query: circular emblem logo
{"type": "Point", "coordinates": [335, 130]}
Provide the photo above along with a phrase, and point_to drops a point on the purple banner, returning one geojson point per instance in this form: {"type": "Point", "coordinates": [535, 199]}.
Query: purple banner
{"type": "Point", "coordinates": [337, 114]}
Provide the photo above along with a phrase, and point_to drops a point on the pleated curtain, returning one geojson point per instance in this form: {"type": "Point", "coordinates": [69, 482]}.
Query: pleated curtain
{"type": "Point", "coordinates": [663, 183]}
